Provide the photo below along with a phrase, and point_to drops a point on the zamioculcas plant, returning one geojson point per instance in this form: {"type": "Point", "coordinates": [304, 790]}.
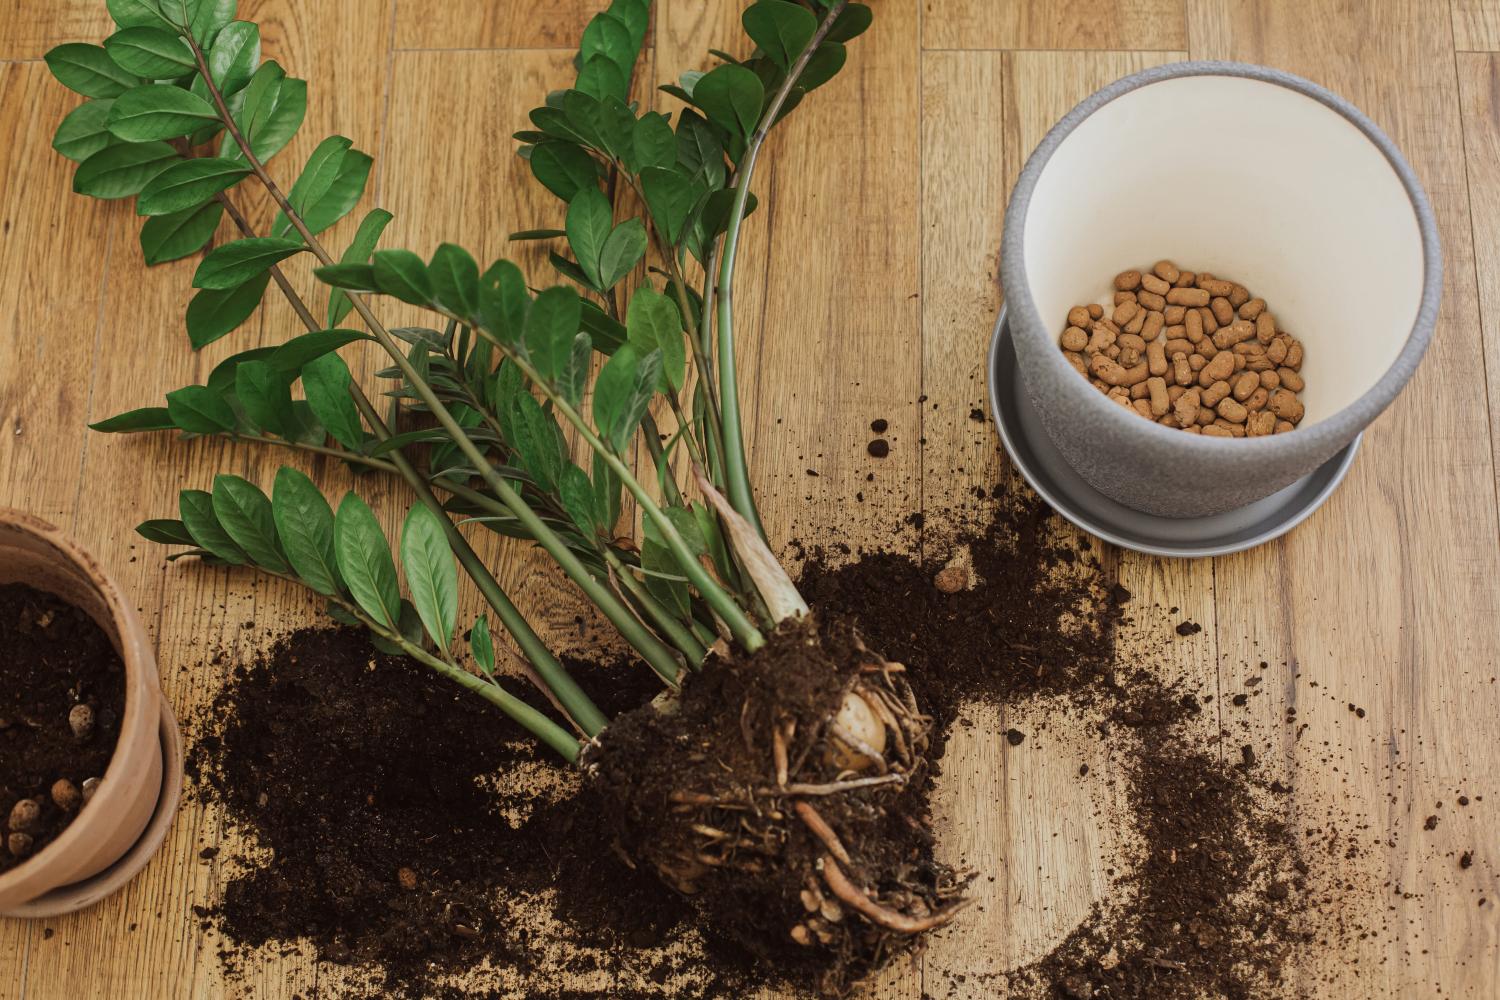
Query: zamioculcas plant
{"type": "Point", "coordinates": [773, 781]}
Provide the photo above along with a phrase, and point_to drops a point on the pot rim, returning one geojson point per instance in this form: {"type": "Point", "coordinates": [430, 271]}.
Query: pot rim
{"type": "Point", "coordinates": [143, 702]}
{"type": "Point", "coordinates": [1327, 434]}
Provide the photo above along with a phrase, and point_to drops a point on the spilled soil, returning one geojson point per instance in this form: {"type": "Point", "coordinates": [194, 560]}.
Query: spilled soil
{"type": "Point", "coordinates": [407, 837]}
{"type": "Point", "coordinates": [62, 691]}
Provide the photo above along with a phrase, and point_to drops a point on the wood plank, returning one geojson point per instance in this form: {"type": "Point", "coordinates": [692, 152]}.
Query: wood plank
{"type": "Point", "coordinates": [1045, 24]}
{"type": "Point", "coordinates": [1385, 599]}
{"type": "Point", "coordinates": [1479, 87]}
{"type": "Point", "coordinates": [1476, 25]}
{"type": "Point", "coordinates": [28, 28]}
{"type": "Point", "coordinates": [493, 24]}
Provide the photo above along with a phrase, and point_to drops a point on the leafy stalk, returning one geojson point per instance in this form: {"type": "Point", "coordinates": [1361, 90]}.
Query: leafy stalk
{"type": "Point", "coordinates": [737, 472]}
{"type": "Point", "coordinates": [651, 649]}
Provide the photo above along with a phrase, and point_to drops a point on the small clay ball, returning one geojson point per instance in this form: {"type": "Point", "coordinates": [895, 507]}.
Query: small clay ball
{"type": "Point", "coordinates": [89, 787]}
{"type": "Point", "coordinates": [951, 580]}
{"type": "Point", "coordinates": [24, 815]}
{"type": "Point", "coordinates": [65, 795]}
{"type": "Point", "coordinates": [81, 721]}
{"type": "Point", "coordinates": [407, 878]}
{"type": "Point", "coordinates": [19, 844]}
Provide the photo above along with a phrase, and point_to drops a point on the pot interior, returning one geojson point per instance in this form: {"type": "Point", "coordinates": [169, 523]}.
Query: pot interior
{"type": "Point", "coordinates": [1251, 181]}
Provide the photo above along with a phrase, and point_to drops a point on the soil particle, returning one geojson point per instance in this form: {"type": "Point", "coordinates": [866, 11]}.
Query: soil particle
{"type": "Point", "coordinates": [62, 692]}
{"type": "Point", "coordinates": [1015, 737]}
{"type": "Point", "coordinates": [879, 448]}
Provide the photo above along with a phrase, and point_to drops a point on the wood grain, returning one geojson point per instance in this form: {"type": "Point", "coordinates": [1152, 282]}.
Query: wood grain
{"type": "Point", "coordinates": [1476, 25]}
{"type": "Point", "coordinates": [867, 281]}
{"type": "Point", "coordinates": [493, 24]}
{"type": "Point", "coordinates": [1045, 24]}
{"type": "Point", "coordinates": [1414, 652]}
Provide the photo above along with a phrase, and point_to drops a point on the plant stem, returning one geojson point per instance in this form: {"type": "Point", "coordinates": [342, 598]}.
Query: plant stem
{"type": "Point", "coordinates": [737, 473]}
{"type": "Point", "coordinates": [651, 648]}
{"type": "Point", "coordinates": [724, 606]}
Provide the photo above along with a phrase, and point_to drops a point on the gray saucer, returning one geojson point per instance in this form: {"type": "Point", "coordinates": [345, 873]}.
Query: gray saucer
{"type": "Point", "coordinates": [1039, 461]}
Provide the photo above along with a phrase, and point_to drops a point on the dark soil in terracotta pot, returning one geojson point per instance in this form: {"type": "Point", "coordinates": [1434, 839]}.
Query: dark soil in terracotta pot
{"type": "Point", "coordinates": [62, 692]}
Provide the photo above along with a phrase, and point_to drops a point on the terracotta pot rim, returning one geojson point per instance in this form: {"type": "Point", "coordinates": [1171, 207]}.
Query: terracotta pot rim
{"type": "Point", "coordinates": [143, 698]}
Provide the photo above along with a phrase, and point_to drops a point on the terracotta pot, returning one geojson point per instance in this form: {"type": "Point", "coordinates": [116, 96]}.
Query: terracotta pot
{"type": "Point", "coordinates": [105, 830]}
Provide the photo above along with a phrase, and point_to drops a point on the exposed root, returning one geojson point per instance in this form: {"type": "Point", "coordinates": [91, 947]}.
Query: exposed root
{"type": "Point", "coordinates": [820, 828]}
{"type": "Point", "coordinates": [886, 917]}
{"type": "Point", "coordinates": [777, 797]}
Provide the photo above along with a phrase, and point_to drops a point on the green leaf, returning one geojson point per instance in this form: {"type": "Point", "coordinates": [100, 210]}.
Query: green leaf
{"type": "Point", "coordinates": [732, 97]}
{"type": "Point", "coordinates": [273, 109]}
{"type": "Point", "coordinates": [353, 277]}
{"type": "Point", "coordinates": [359, 251]}
{"type": "Point", "coordinates": [579, 499]}
{"type": "Point", "coordinates": [88, 70]}
{"type": "Point", "coordinates": [401, 273]}
{"type": "Point", "coordinates": [563, 168]}
{"type": "Point", "coordinates": [573, 380]}
{"type": "Point", "coordinates": [135, 13]}
{"type": "Point", "coordinates": [82, 133]}
{"type": "Point", "coordinates": [700, 152]}
{"type": "Point", "coordinates": [608, 36]}
{"type": "Point", "coordinates": [291, 356]}
{"type": "Point", "coordinates": [364, 560]}
{"type": "Point", "coordinates": [157, 111]}
{"type": "Point", "coordinates": [653, 323]}
{"type": "Point", "coordinates": [196, 507]}
{"type": "Point", "coordinates": [209, 17]}
{"type": "Point", "coordinates": [168, 237]}
{"type": "Point", "coordinates": [623, 392]}
{"type": "Point", "coordinates": [431, 573]}
{"type": "Point", "coordinates": [455, 279]}
{"type": "Point", "coordinates": [652, 142]}
{"type": "Point", "coordinates": [245, 513]}
{"type": "Point", "coordinates": [607, 488]}
{"type": "Point", "coordinates": [199, 410]}
{"type": "Point", "coordinates": [622, 251]}
{"type": "Point", "coordinates": [606, 332]}
{"type": "Point", "coordinates": [328, 188]}
{"type": "Point", "coordinates": [152, 53]}
{"type": "Point", "coordinates": [781, 29]}
{"type": "Point", "coordinates": [569, 269]}
{"type": "Point", "coordinates": [122, 170]}
{"type": "Point", "coordinates": [165, 530]}
{"type": "Point", "coordinates": [265, 394]}
{"type": "Point", "coordinates": [823, 66]}
{"type": "Point", "coordinates": [325, 380]}
{"type": "Point", "coordinates": [503, 301]}
{"type": "Point", "coordinates": [551, 324]}
{"type": "Point", "coordinates": [538, 440]}
{"type": "Point", "coordinates": [236, 263]}
{"type": "Point", "coordinates": [600, 77]}
{"type": "Point", "coordinates": [215, 312]}
{"type": "Point", "coordinates": [851, 24]}
{"type": "Point", "coordinates": [589, 223]}
{"type": "Point", "coordinates": [342, 195]}
{"type": "Point", "coordinates": [221, 378]}
{"type": "Point", "coordinates": [305, 523]}
{"type": "Point", "coordinates": [147, 418]}
{"type": "Point", "coordinates": [535, 234]}
{"type": "Point", "coordinates": [671, 197]}
{"type": "Point", "coordinates": [482, 646]}
{"type": "Point", "coordinates": [234, 56]}
{"type": "Point", "coordinates": [187, 185]}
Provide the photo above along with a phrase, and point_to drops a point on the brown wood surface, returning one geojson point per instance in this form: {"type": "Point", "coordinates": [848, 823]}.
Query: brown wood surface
{"type": "Point", "coordinates": [867, 282]}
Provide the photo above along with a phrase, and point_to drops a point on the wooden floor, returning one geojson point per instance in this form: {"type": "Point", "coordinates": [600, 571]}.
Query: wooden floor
{"type": "Point", "coordinates": [870, 282]}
